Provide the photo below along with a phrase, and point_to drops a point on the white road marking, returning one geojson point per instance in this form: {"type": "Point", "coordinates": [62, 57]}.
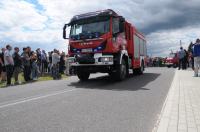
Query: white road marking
{"type": "Point", "coordinates": [35, 98]}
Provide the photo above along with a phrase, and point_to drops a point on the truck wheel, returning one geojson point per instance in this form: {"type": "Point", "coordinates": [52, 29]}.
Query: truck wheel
{"type": "Point", "coordinates": [121, 71]}
{"type": "Point", "coordinates": [141, 69]}
{"type": "Point", "coordinates": [175, 65]}
{"type": "Point", "coordinates": [135, 71]}
{"type": "Point", "coordinates": [83, 76]}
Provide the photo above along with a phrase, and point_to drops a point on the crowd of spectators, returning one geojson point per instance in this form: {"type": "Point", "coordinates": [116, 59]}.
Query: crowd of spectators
{"type": "Point", "coordinates": [38, 63]}
{"type": "Point", "coordinates": [31, 63]}
{"type": "Point", "coordinates": [186, 58]}
{"type": "Point", "coordinates": [155, 61]}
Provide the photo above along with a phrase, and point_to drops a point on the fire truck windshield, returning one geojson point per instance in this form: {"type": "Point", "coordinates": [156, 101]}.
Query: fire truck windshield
{"type": "Point", "coordinates": [171, 55]}
{"type": "Point", "coordinates": [89, 30]}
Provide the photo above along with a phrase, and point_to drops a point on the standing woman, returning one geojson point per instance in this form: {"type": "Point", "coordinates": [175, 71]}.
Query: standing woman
{"type": "Point", "coordinates": [34, 67]}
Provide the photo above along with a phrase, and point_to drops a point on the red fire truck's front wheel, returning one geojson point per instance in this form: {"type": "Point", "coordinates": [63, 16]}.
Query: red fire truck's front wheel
{"type": "Point", "coordinates": [82, 75]}
{"type": "Point", "coordinates": [121, 71]}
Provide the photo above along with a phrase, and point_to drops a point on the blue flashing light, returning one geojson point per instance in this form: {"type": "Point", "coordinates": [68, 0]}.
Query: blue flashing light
{"type": "Point", "coordinates": [96, 35]}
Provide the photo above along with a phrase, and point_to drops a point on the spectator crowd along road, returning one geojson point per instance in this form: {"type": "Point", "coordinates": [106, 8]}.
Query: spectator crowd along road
{"type": "Point", "coordinates": [39, 63]}
{"type": "Point", "coordinates": [31, 63]}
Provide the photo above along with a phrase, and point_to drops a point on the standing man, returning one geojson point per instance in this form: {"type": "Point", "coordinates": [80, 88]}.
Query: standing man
{"type": "Point", "coordinates": [39, 61]}
{"type": "Point", "coordinates": [67, 65]}
{"type": "Point", "coordinates": [17, 64]}
{"type": "Point", "coordinates": [26, 64]}
{"type": "Point", "coordinates": [9, 63]}
{"type": "Point", "coordinates": [181, 55]}
{"type": "Point", "coordinates": [50, 61]}
{"type": "Point", "coordinates": [55, 64]}
{"type": "Point", "coordinates": [3, 72]}
{"type": "Point", "coordinates": [1, 65]}
{"type": "Point", "coordinates": [190, 51]}
{"type": "Point", "coordinates": [186, 63]}
{"type": "Point", "coordinates": [62, 63]}
{"type": "Point", "coordinates": [44, 61]}
{"type": "Point", "coordinates": [196, 55]}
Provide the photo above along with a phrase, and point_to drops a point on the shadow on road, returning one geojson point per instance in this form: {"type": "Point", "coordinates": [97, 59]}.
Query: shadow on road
{"type": "Point", "coordinates": [132, 83]}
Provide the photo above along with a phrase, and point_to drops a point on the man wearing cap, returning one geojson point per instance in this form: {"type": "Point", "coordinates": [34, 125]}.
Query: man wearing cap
{"type": "Point", "coordinates": [9, 63]}
{"type": "Point", "coordinates": [196, 54]}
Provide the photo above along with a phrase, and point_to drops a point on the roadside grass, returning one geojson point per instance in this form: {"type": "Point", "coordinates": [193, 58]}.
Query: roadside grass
{"type": "Point", "coordinates": [44, 77]}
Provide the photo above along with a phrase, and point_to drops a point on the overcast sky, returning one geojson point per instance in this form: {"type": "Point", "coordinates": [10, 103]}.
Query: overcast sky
{"type": "Point", "coordinates": [39, 23]}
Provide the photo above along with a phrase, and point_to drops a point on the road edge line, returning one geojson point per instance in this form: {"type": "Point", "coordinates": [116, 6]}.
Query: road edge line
{"type": "Point", "coordinates": [35, 98]}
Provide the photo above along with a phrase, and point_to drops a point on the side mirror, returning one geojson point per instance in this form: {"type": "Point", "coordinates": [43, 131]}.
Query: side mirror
{"type": "Point", "coordinates": [64, 31]}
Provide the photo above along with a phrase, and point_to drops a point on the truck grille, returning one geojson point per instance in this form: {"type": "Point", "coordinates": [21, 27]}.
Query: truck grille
{"type": "Point", "coordinates": [85, 59]}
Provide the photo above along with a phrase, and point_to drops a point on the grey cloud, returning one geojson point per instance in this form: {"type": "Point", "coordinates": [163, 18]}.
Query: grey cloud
{"type": "Point", "coordinates": [176, 14]}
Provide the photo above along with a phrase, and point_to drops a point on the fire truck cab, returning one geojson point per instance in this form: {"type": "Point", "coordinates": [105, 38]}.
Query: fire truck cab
{"type": "Point", "coordinates": [172, 60]}
{"type": "Point", "coordinates": [105, 42]}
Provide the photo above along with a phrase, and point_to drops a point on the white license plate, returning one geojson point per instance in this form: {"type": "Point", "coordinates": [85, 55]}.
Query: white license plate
{"type": "Point", "coordinates": [87, 50]}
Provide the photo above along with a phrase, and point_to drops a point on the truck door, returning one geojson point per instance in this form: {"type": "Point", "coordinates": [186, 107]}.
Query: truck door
{"type": "Point", "coordinates": [129, 39]}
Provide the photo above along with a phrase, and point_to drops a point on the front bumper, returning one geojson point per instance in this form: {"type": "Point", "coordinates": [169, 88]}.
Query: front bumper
{"type": "Point", "coordinates": [99, 60]}
{"type": "Point", "coordinates": [169, 63]}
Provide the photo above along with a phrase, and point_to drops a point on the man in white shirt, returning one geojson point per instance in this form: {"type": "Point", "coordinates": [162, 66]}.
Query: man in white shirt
{"type": "Point", "coordinates": [9, 63]}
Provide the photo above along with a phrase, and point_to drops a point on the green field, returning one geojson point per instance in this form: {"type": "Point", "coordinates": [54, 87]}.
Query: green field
{"type": "Point", "coordinates": [45, 77]}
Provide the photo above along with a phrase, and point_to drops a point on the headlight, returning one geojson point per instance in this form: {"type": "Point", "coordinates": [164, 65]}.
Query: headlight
{"type": "Point", "coordinates": [106, 59]}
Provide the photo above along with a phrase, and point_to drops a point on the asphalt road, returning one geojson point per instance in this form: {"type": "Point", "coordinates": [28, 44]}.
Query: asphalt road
{"type": "Point", "coordinates": [99, 105]}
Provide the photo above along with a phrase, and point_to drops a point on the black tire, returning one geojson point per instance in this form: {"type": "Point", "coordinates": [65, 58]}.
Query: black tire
{"type": "Point", "coordinates": [135, 71]}
{"type": "Point", "coordinates": [175, 66]}
{"type": "Point", "coordinates": [168, 66]}
{"type": "Point", "coordinates": [127, 70]}
{"type": "Point", "coordinates": [121, 71]}
{"type": "Point", "coordinates": [141, 69]}
{"type": "Point", "coordinates": [83, 76]}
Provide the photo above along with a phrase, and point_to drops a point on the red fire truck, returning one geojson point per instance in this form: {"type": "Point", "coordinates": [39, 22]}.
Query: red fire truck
{"type": "Point", "coordinates": [172, 60]}
{"type": "Point", "coordinates": [105, 42]}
